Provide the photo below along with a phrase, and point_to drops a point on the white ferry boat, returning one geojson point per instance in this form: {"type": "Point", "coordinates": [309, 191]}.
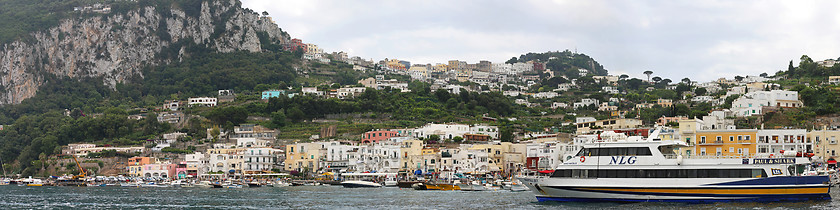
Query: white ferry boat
{"type": "Point", "coordinates": [635, 169]}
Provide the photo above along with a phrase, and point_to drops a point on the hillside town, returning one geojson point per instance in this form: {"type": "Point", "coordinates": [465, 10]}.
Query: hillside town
{"type": "Point", "coordinates": [447, 149]}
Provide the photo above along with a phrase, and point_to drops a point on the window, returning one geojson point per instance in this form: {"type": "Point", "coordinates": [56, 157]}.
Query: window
{"type": "Point", "coordinates": [617, 151]}
{"type": "Point", "coordinates": [731, 149]}
{"type": "Point", "coordinates": [702, 139]}
{"type": "Point", "coordinates": [740, 137]}
{"type": "Point", "coordinates": [718, 151]}
{"type": "Point", "coordinates": [731, 138]}
{"type": "Point", "coordinates": [740, 151]}
{"type": "Point", "coordinates": [747, 137]}
{"type": "Point", "coordinates": [718, 139]}
{"type": "Point", "coordinates": [660, 173]}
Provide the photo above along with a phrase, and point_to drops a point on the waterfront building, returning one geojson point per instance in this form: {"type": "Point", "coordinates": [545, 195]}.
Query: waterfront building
{"type": "Point", "coordinates": [775, 141]}
{"type": "Point", "coordinates": [825, 143]}
{"type": "Point", "coordinates": [197, 163]}
{"type": "Point", "coordinates": [379, 157]}
{"type": "Point", "coordinates": [736, 142]}
{"type": "Point", "coordinates": [410, 150]}
{"type": "Point", "coordinates": [305, 156]}
{"type": "Point", "coordinates": [338, 156]}
{"type": "Point", "coordinates": [259, 160]}
{"type": "Point", "coordinates": [376, 136]}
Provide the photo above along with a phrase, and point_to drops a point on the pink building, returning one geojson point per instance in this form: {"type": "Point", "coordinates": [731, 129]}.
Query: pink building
{"type": "Point", "coordinates": [376, 136]}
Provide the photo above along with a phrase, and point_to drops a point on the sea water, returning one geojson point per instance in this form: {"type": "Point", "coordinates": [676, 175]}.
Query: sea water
{"type": "Point", "coordinates": [326, 197]}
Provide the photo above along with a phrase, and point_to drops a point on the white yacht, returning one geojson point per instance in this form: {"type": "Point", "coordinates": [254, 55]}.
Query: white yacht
{"type": "Point", "coordinates": [634, 169]}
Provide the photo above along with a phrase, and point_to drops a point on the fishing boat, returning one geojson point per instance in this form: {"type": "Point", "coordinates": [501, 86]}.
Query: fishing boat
{"type": "Point", "coordinates": [635, 169]}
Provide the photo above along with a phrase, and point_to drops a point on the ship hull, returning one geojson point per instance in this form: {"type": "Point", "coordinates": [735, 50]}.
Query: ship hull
{"type": "Point", "coordinates": [772, 189]}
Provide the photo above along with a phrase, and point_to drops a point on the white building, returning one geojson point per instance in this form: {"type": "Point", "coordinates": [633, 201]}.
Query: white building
{"type": "Point", "coordinates": [609, 89]}
{"type": "Point", "coordinates": [586, 102]}
{"type": "Point", "coordinates": [202, 101]}
{"type": "Point", "coordinates": [704, 99]}
{"type": "Point", "coordinates": [378, 157]}
{"type": "Point", "coordinates": [774, 141]}
{"type": "Point", "coordinates": [491, 131]}
{"type": "Point", "coordinates": [547, 152]}
{"type": "Point", "coordinates": [259, 159]}
{"type": "Point", "coordinates": [751, 103]}
{"type": "Point", "coordinates": [350, 92]}
{"type": "Point", "coordinates": [474, 161]}
{"type": "Point", "coordinates": [338, 155]}
{"type": "Point", "coordinates": [584, 119]}
{"type": "Point", "coordinates": [719, 119]}
{"type": "Point", "coordinates": [559, 105]}
{"type": "Point", "coordinates": [197, 163]}
{"type": "Point", "coordinates": [546, 95]}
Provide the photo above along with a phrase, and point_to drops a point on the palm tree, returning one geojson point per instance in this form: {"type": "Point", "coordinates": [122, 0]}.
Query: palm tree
{"type": "Point", "coordinates": [623, 76]}
{"type": "Point", "coordinates": [657, 79]}
{"type": "Point", "coordinates": [687, 81]}
{"type": "Point", "coordinates": [648, 73]}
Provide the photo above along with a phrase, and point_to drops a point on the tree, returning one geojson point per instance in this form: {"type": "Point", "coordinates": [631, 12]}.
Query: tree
{"type": "Point", "coordinates": [739, 78]}
{"type": "Point", "coordinates": [457, 139]}
{"type": "Point", "coordinates": [700, 91]}
{"type": "Point", "coordinates": [511, 60]}
{"type": "Point", "coordinates": [433, 139]}
{"type": "Point", "coordinates": [506, 134]}
{"type": "Point", "coordinates": [265, 13]}
{"type": "Point", "coordinates": [687, 81]}
{"type": "Point", "coordinates": [295, 114]}
{"type": "Point", "coordinates": [763, 75]}
{"type": "Point", "coordinates": [657, 79]}
{"type": "Point", "coordinates": [623, 76]}
{"type": "Point", "coordinates": [648, 73]}
{"type": "Point", "coordinates": [278, 118]}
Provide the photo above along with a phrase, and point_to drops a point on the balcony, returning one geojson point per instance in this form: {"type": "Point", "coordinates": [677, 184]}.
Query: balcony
{"type": "Point", "coordinates": [711, 143]}
{"type": "Point", "coordinates": [744, 142]}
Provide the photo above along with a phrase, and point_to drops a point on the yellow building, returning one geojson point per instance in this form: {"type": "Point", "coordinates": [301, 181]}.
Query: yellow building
{"type": "Point", "coordinates": [408, 149]}
{"type": "Point", "coordinates": [504, 157]}
{"type": "Point", "coordinates": [738, 142]}
{"type": "Point", "coordinates": [826, 143]}
{"type": "Point", "coordinates": [396, 65]}
{"type": "Point", "coordinates": [303, 156]}
{"type": "Point", "coordinates": [665, 102]}
{"type": "Point", "coordinates": [440, 68]}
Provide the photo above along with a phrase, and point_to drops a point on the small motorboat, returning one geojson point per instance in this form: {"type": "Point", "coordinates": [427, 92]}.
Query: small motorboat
{"type": "Point", "coordinates": [359, 184]}
{"type": "Point", "coordinates": [419, 186]}
{"type": "Point", "coordinates": [204, 184]}
{"type": "Point", "coordinates": [254, 184]}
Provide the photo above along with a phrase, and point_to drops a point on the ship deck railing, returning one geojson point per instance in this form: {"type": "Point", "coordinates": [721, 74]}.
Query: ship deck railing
{"type": "Point", "coordinates": [674, 156]}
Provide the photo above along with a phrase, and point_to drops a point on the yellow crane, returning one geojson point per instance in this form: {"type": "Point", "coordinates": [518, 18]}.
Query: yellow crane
{"type": "Point", "coordinates": [82, 173]}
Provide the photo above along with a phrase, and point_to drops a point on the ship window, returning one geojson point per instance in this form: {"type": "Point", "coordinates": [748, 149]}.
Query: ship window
{"type": "Point", "coordinates": [621, 173]}
{"type": "Point", "coordinates": [758, 173]}
{"type": "Point", "coordinates": [602, 174]}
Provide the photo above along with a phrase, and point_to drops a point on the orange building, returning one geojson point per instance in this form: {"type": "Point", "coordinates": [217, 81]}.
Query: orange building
{"type": "Point", "coordinates": [738, 142]}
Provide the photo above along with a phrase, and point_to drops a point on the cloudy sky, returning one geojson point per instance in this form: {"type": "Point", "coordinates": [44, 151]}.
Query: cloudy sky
{"type": "Point", "coordinates": [702, 40]}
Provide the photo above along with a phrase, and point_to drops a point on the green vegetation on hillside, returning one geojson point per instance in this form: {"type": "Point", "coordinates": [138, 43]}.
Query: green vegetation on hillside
{"type": "Point", "coordinates": [564, 63]}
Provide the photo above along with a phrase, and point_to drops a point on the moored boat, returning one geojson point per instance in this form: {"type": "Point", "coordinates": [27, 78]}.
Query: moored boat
{"type": "Point", "coordinates": [407, 184]}
{"type": "Point", "coordinates": [360, 184]}
{"type": "Point", "coordinates": [649, 170]}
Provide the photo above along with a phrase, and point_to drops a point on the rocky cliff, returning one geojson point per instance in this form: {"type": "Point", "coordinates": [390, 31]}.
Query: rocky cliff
{"type": "Point", "coordinates": [116, 46]}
